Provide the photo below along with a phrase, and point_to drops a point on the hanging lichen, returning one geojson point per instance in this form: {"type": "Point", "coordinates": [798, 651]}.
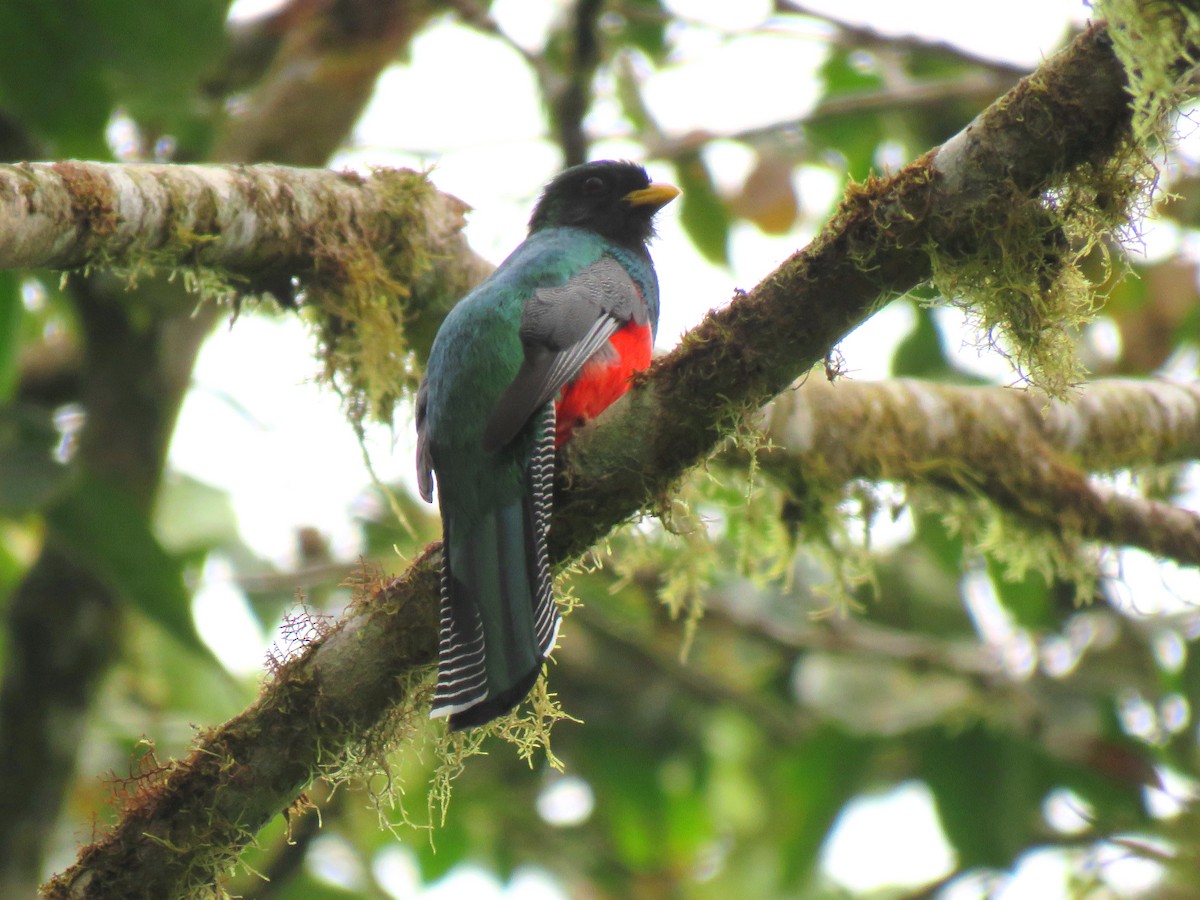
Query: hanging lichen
{"type": "Point", "coordinates": [360, 293]}
{"type": "Point", "coordinates": [1021, 279]}
{"type": "Point", "coordinates": [1157, 44]}
{"type": "Point", "coordinates": [1016, 264]}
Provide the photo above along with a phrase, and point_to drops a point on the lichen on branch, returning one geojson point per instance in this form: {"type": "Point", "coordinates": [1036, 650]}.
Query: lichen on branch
{"type": "Point", "coordinates": [369, 277]}
{"type": "Point", "coordinates": [1019, 275]}
{"type": "Point", "coordinates": [1017, 265]}
{"type": "Point", "coordinates": [369, 254]}
{"type": "Point", "coordinates": [1029, 463]}
{"type": "Point", "coordinates": [1157, 43]}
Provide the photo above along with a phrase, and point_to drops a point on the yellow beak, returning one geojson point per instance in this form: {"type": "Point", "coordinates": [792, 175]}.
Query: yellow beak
{"type": "Point", "coordinates": [657, 194]}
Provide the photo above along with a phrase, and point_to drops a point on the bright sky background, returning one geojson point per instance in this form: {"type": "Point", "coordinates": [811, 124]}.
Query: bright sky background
{"type": "Point", "coordinates": [255, 425]}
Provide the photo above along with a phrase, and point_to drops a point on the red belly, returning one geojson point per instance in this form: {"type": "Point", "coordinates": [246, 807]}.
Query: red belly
{"type": "Point", "coordinates": [600, 383]}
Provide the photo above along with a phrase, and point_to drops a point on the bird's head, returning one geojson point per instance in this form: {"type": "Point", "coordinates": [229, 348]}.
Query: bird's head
{"type": "Point", "coordinates": [615, 199]}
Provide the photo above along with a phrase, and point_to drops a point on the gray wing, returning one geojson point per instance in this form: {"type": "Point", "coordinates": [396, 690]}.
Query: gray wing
{"type": "Point", "coordinates": [561, 329]}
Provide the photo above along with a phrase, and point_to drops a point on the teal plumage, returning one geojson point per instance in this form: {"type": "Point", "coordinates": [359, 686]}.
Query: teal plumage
{"type": "Point", "coordinates": [537, 348]}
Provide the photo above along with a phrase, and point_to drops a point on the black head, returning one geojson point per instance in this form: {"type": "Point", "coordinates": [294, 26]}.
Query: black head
{"type": "Point", "coordinates": [614, 199]}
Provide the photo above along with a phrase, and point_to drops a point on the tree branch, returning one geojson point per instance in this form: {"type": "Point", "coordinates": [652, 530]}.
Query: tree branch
{"type": "Point", "coordinates": [241, 219]}
{"type": "Point", "coordinates": [320, 78]}
{"type": "Point", "coordinates": [571, 101]}
{"type": "Point", "coordinates": [849, 34]}
{"type": "Point", "coordinates": [1027, 454]}
{"type": "Point", "coordinates": [187, 829]}
{"type": "Point", "coordinates": [318, 708]}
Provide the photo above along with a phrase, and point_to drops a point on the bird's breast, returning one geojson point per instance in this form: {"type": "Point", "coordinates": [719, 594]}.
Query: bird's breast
{"type": "Point", "coordinates": [603, 379]}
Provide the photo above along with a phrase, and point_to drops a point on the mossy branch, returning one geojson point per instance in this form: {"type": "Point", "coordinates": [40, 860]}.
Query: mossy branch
{"type": "Point", "coordinates": [320, 708]}
{"type": "Point", "coordinates": [237, 218]}
{"type": "Point", "coordinates": [371, 255]}
{"type": "Point", "coordinates": [1030, 457]}
{"type": "Point", "coordinates": [180, 833]}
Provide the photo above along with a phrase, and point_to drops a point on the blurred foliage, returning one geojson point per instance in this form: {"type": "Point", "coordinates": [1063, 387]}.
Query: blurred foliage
{"type": "Point", "coordinates": [717, 772]}
{"type": "Point", "coordinates": [74, 64]}
{"type": "Point", "coordinates": [11, 313]}
{"type": "Point", "coordinates": [703, 216]}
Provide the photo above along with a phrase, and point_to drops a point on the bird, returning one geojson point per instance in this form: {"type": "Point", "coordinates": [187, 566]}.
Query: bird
{"type": "Point", "coordinates": [543, 345]}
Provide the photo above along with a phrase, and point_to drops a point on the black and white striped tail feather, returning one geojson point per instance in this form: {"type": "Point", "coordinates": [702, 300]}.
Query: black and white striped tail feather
{"type": "Point", "coordinates": [462, 678]}
{"type": "Point", "coordinates": [462, 655]}
{"type": "Point", "coordinates": [541, 491]}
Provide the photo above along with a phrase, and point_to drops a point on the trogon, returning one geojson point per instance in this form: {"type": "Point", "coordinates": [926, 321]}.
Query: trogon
{"type": "Point", "coordinates": [544, 344]}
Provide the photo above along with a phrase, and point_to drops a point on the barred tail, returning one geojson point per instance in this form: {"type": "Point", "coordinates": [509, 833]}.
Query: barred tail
{"type": "Point", "coordinates": [498, 617]}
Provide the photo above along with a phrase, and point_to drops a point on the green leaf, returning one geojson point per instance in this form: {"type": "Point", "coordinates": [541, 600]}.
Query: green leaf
{"type": "Point", "coordinates": [29, 474]}
{"type": "Point", "coordinates": [843, 72]}
{"type": "Point", "coordinates": [921, 353]}
{"type": "Point", "coordinates": [12, 570]}
{"type": "Point", "coordinates": [1028, 599]}
{"type": "Point", "coordinates": [628, 89]}
{"type": "Point", "coordinates": [193, 516]}
{"type": "Point", "coordinates": [53, 83]}
{"type": "Point", "coordinates": [703, 214]}
{"type": "Point", "coordinates": [157, 55]}
{"type": "Point", "coordinates": [943, 546]}
{"type": "Point", "coordinates": [931, 63]}
{"type": "Point", "coordinates": [630, 802]}
{"type": "Point", "coordinates": [820, 775]}
{"type": "Point", "coordinates": [852, 136]}
{"type": "Point", "coordinates": [646, 27]}
{"type": "Point", "coordinates": [102, 527]}
{"type": "Point", "coordinates": [304, 885]}
{"type": "Point", "coordinates": [12, 311]}
{"type": "Point", "coordinates": [69, 65]}
{"type": "Point", "coordinates": [988, 789]}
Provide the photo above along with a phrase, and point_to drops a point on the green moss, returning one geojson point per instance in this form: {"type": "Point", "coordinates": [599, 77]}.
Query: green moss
{"type": "Point", "coordinates": [1156, 42]}
{"type": "Point", "coordinates": [370, 758]}
{"type": "Point", "coordinates": [358, 297]}
{"type": "Point", "coordinates": [93, 208]}
{"type": "Point", "coordinates": [829, 523]}
{"type": "Point", "coordinates": [1017, 269]}
{"type": "Point", "coordinates": [730, 524]}
{"type": "Point", "coordinates": [527, 728]}
{"type": "Point", "coordinates": [1021, 279]}
{"type": "Point", "coordinates": [1019, 546]}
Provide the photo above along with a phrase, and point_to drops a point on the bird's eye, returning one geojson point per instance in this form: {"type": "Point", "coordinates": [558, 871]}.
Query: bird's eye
{"type": "Point", "coordinates": [593, 185]}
